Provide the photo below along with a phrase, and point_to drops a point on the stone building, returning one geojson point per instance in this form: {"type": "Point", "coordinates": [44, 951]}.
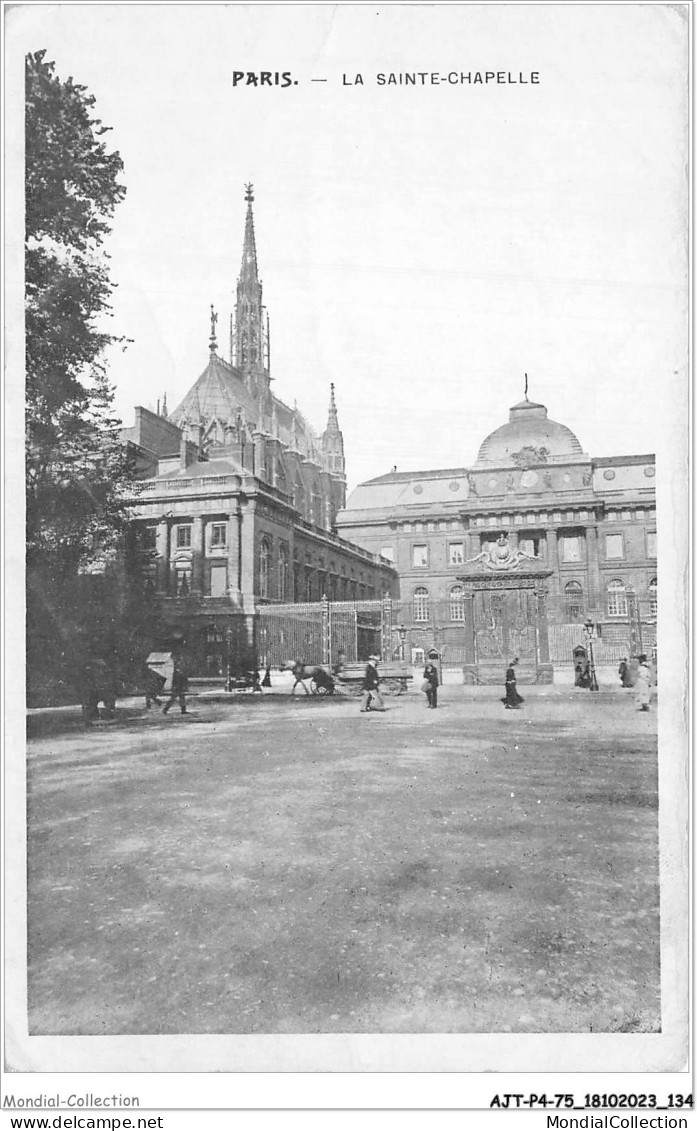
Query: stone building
{"type": "Point", "coordinates": [239, 496]}
{"type": "Point", "coordinates": [511, 555]}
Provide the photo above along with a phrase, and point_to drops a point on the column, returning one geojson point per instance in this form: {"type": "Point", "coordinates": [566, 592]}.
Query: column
{"type": "Point", "coordinates": [594, 603]}
{"type": "Point", "coordinates": [513, 540]}
{"type": "Point", "coordinates": [197, 555]}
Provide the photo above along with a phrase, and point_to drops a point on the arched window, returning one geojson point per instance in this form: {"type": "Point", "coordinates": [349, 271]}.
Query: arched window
{"type": "Point", "coordinates": [264, 567]}
{"type": "Point", "coordinates": [282, 572]}
{"type": "Point", "coordinates": [299, 498]}
{"type": "Point", "coordinates": [457, 603]}
{"type": "Point", "coordinates": [316, 505]}
{"type": "Point", "coordinates": [421, 603]}
{"type": "Point", "coordinates": [573, 598]}
{"type": "Point", "coordinates": [653, 597]}
{"type": "Point", "coordinates": [616, 599]}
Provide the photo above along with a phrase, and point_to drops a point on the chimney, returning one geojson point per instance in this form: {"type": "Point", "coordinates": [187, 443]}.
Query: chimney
{"type": "Point", "coordinates": [188, 452]}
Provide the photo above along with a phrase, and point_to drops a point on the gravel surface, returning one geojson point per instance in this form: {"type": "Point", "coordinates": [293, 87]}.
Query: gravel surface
{"type": "Point", "coordinates": [271, 865]}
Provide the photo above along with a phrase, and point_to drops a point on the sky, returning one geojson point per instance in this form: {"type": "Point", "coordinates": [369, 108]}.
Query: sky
{"type": "Point", "coordinates": [422, 247]}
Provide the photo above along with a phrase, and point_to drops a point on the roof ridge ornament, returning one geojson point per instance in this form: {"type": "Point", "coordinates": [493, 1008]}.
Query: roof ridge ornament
{"type": "Point", "coordinates": [213, 343]}
{"type": "Point", "coordinates": [526, 386]}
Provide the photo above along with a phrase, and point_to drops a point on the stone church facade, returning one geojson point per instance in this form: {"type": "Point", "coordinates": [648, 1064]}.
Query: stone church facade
{"type": "Point", "coordinates": [238, 497]}
{"type": "Point", "coordinates": [511, 555]}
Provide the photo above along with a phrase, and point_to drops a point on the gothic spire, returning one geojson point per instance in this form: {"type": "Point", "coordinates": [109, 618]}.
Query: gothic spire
{"type": "Point", "coordinates": [251, 333]}
{"type": "Point", "coordinates": [333, 418]}
{"type": "Point", "coordinates": [249, 271]}
{"type": "Point", "coordinates": [333, 444]}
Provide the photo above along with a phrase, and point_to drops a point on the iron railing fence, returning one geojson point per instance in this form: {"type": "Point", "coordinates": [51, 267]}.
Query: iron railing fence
{"type": "Point", "coordinates": [446, 626]}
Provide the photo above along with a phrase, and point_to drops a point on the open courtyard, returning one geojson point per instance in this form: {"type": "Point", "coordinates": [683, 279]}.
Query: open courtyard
{"type": "Point", "coordinates": [278, 865]}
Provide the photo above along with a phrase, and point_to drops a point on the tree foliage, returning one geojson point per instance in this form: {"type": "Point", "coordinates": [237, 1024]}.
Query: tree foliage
{"type": "Point", "coordinates": [76, 466]}
{"type": "Point", "coordinates": [78, 474]}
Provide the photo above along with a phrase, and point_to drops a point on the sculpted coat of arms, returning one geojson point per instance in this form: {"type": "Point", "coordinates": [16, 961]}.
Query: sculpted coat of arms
{"type": "Point", "coordinates": [500, 556]}
{"type": "Point", "coordinates": [530, 456]}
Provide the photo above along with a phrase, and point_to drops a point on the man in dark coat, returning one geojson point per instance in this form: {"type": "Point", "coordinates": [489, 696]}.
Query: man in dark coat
{"type": "Point", "coordinates": [371, 684]}
{"type": "Point", "coordinates": [179, 687]}
{"type": "Point", "coordinates": [512, 699]}
{"type": "Point", "coordinates": [431, 679]}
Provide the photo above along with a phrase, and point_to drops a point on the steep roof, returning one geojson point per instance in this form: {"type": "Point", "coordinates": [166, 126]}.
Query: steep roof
{"type": "Point", "coordinates": [218, 394]}
{"type": "Point", "coordinates": [403, 489]}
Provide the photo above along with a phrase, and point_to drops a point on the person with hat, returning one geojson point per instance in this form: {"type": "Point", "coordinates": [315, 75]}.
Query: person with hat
{"type": "Point", "coordinates": [512, 699]}
{"type": "Point", "coordinates": [642, 684]}
{"type": "Point", "coordinates": [430, 684]}
{"type": "Point", "coordinates": [625, 673]}
{"type": "Point", "coordinates": [371, 684]}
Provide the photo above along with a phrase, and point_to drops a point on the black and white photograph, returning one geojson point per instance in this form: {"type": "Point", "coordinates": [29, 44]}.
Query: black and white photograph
{"type": "Point", "coordinates": [346, 553]}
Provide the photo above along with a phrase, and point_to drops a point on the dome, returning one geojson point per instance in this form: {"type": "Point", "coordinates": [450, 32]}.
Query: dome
{"type": "Point", "coordinates": [529, 437]}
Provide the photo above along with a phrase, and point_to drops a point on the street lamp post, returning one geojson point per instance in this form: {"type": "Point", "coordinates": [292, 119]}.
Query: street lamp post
{"type": "Point", "coordinates": [589, 630]}
{"type": "Point", "coordinates": [402, 633]}
{"type": "Point", "coordinates": [228, 673]}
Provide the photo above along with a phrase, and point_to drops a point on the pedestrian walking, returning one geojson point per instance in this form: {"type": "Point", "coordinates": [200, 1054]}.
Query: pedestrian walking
{"type": "Point", "coordinates": [266, 681]}
{"type": "Point", "coordinates": [430, 684]}
{"type": "Point", "coordinates": [624, 673]}
{"type": "Point", "coordinates": [180, 685]}
{"type": "Point", "coordinates": [512, 699]}
{"type": "Point", "coordinates": [371, 686]}
{"type": "Point", "coordinates": [643, 685]}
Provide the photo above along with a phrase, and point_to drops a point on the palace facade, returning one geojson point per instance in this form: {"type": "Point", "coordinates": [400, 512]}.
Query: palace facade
{"type": "Point", "coordinates": [511, 555]}
{"type": "Point", "coordinates": [238, 498]}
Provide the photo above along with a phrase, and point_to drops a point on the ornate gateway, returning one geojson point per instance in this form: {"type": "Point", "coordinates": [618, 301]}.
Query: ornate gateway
{"type": "Point", "coordinates": [505, 591]}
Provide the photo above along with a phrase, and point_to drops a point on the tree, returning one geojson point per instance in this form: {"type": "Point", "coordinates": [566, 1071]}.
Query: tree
{"type": "Point", "coordinates": [78, 473]}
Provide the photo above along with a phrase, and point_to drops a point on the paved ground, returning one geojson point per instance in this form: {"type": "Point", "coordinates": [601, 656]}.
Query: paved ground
{"type": "Point", "coordinates": [270, 865]}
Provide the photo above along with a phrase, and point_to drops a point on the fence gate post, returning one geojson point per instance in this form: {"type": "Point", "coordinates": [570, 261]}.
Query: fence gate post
{"type": "Point", "coordinates": [326, 631]}
{"type": "Point", "coordinates": [635, 645]}
{"type": "Point", "coordinates": [386, 628]}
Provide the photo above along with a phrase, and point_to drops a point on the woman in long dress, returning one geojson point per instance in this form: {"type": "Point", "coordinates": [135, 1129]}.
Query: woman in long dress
{"type": "Point", "coordinates": [512, 699]}
{"type": "Point", "coordinates": [642, 685]}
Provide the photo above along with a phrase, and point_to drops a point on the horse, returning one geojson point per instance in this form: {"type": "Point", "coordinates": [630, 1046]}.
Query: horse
{"type": "Point", "coordinates": [321, 682]}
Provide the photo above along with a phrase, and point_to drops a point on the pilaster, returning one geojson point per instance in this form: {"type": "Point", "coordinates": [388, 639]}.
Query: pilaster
{"type": "Point", "coordinates": [553, 562]}
{"type": "Point", "coordinates": [593, 566]}
{"type": "Point", "coordinates": [197, 555]}
{"type": "Point", "coordinates": [233, 557]}
{"type": "Point", "coordinates": [162, 546]}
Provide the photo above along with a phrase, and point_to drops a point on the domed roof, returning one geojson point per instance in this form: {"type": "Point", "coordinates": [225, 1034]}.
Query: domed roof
{"type": "Point", "coordinates": [529, 437]}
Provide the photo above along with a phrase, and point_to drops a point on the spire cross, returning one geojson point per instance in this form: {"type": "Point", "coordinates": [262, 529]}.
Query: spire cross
{"type": "Point", "coordinates": [249, 193]}
{"type": "Point", "coordinates": [213, 342]}
{"type": "Point", "coordinates": [526, 386]}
